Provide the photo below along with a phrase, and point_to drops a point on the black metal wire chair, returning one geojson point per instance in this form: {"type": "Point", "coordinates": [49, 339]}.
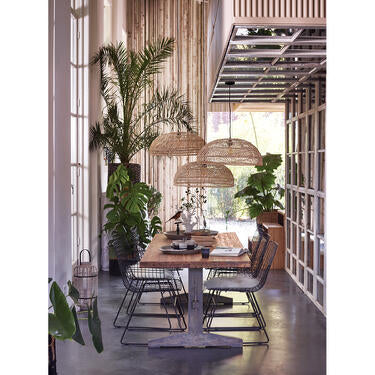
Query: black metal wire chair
{"type": "Point", "coordinates": [138, 281]}
{"type": "Point", "coordinates": [259, 239]}
{"type": "Point", "coordinates": [247, 283]}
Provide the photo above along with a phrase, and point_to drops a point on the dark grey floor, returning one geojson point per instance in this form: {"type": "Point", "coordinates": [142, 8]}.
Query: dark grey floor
{"type": "Point", "coordinates": [297, 331]}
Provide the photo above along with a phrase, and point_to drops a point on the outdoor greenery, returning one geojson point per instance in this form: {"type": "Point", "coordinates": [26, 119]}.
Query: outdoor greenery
{"type": "Point", "coordinates": [128, 224]}
{"type": "Point", "coordinates": [129, 125]}
{"type": "Point", "coordinates": [266, 131]}
{"type": "Point", "coordinates": [154, 202]}
{"type": "Point", "coordinates": [63, 323]}
{"type": "Point", "coordinates": [262, 193]}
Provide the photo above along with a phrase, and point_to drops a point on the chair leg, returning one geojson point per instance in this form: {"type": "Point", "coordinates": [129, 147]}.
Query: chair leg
{"type": "Point", "coordinates": [257, 315]}
{"type": "Point", "coordinates": [118, 311]}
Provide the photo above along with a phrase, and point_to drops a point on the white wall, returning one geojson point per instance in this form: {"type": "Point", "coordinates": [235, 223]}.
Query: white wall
{"type": "Point", "coordinates": [59, 225]}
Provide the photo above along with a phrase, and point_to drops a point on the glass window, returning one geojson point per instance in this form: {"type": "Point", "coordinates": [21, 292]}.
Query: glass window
{"type": "Point", "coordinates": [310, 250]}
{"type": "Point", "coordinates": [288, 234]}
{"type": "Point", "coordinates": [322, 132]}
{"type": "Point", "coordinates": [320, 293]}
{"type": "Point", "coordinates": [294, 238]}
{"type": "Point", "coordinates": [311, 170]}
{"type": "Point", "coordinates": [288, 260]}
{"type": "Point", "coordinates": [301, 169]}
{"type": "Point", "coordinates": [294, 270]}
{"type": "Point", "coordinates": [321, 216]}
{"type": "Point", "coordinates": [311, 142]}
{"type": "Point", "coordinates": [321, 171]}
{"type": "Point", "coordinates": [321, 245]}
{"type": "Point", "coordinates": [301, 243]}
{"type": "Point", "coordinates": [301, 274]}
{"type": "Point", "coordinates": [310, 282]}
{"type": "Point", "coordinates": [310, 212]}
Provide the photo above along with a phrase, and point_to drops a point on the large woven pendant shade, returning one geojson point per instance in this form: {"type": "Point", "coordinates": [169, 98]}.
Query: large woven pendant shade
{"type": "Point", "coordinates": [209, 174]}
{"type": "Point", "coordinates": [177, 144]}
{"type": "Point", "coordinates": [230, 151]}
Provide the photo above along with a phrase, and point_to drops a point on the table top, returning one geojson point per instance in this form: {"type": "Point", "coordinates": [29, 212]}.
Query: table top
{"type": "Point", "coordinates": [154, 258]}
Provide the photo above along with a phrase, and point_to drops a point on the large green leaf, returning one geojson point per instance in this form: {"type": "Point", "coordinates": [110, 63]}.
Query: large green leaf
{"type": "Point", "coordinates": [77, 334]}
{"type": "Point", "coordinates": [255, 210]}
{"type": "Point", "coordinates": [95, 326]}
{"type": "Point", "coordinates": [61, 322]}
{"type": "Point", "coordinates": [73, 293]}
{"type": "Point", "coordinates": [262, 181]}
{"type": "Point", "coordinates": [270, 162]}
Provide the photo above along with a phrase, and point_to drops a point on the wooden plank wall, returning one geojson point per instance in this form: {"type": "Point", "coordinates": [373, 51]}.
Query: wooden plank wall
{"type": "Point", "coordinates": [147, 20]}
{"type": "Point", "coordinates": [280, 8]}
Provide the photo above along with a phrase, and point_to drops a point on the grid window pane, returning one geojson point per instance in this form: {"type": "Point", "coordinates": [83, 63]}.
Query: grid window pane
{"type": "Point", "coordinates": [311, 142]}
{"type": "Point", "coordinates": [321, 178]}
{"type": "Point", "coordinates": [288, 234]}
{"type": "Point", "coordinates": [301, 242]}
{"type": "Point", "coordinates": [302, 208]}
{"type": "Point", "coordinates": [294, 195]}
{"type": "Point", "coordinates": [322, 135]}
{"type": "Point", "coordinates": [321, 247]}
{"type": "Point", "coordinates": [288, 260]}
{"type": "Point", "coordinates": [288, 169]}
{"type": "Point", "coordinates": [310, 212]}
{"type": "Point", "coordinates": [301, 169]}
{"type": "Point", "coordinates": [310, 282]}
{"type": "Point", "coordinates": [301, 274]}
{"type": "Point", "coordinates": [295, 138]}
{"type": "Point", "coordinates": [310, 250]}
{"type": "Point", "coordinates": [294, 269]}
{"type": "Point", "coordinates": [294, 238]}
{"type": "Point", "coordinates": [320, 293]}
{"type": "Point", "coordinates": [321, 216]}
{"type": "Point", "coordinates": [311, 170]}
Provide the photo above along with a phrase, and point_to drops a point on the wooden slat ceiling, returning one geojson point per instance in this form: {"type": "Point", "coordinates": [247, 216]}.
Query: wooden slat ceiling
{"type": "Point", "coordinates": [270, 68]}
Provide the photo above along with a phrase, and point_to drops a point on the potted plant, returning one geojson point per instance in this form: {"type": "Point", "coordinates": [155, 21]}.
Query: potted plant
{"type": "Point", "coordinates": [129, 123]}
{"type": "Point", "coordinates": [63, 323]}
{"type": "Point", "coordinates": [128, 224]}
{"type": "Point", "coordinates": [262, 195]}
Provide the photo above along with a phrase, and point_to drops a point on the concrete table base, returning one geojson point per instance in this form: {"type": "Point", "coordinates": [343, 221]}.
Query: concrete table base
{"type": "Point", "coordinates": [195, 337]}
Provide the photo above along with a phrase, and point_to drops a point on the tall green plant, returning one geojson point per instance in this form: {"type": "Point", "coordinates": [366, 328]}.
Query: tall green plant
{"type": "Point", "coordinates": [127, 217]}
{"type": "Point", "coordinates": [262, 193]}
{"type": "Point", "coordinates": [129, 126]}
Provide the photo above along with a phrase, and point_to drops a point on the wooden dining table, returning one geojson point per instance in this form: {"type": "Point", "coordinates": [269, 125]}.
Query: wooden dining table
{"type": "Point", "coordinates": [195, 336]}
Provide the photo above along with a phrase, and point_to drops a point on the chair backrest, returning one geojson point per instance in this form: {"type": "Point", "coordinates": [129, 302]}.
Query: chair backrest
{"type": "Point", "coordinates": [258, 253]}
{"type": "Point", "coordinates": [266, 263]}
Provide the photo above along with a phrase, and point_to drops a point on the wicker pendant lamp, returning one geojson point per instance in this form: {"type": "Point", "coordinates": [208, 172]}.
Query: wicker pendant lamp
{"type": "Point", "coordinates": [230, 151]}
{"type": "Point", "coordinates": [177, 144]}
{"type": "Point", "coordinates": [208, 174]}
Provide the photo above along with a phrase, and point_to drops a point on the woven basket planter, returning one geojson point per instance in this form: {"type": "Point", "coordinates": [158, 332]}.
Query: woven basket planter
{"type": "Point", "coordinates": [268, 217]}
{"type": "Point", "coordinates": [134, 171]}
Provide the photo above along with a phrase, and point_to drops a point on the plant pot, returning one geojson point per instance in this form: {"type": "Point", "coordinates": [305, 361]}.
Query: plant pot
{"type": "Point", "coordinates": [134, 171]}
{"type": "Point", "coordinates": [268, 217]}
{"type": "Point", "coordinates": [129, 259]}
{"type": "Point", "coordinates": [51, 356]}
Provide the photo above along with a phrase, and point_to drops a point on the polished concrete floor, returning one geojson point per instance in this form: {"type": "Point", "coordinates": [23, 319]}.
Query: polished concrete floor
{"type": "Point", "coordinates": [296, 328]}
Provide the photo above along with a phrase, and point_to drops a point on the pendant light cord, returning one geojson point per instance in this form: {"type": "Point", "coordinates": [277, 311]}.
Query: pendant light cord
{"type": "Point", "coordinates": [230, 117]}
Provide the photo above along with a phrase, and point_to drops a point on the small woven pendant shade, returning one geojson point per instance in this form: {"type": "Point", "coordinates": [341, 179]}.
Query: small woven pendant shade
{"type": "Point", "coordinates": [177, 144]}
{"type": "Point", "coordinates": [232, 151]}
{"type": "Point", "coordinates": [209, 174]}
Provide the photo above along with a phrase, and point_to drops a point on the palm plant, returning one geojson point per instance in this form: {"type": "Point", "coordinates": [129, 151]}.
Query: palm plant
{"type": "Point", "coordinates": [127, 125]}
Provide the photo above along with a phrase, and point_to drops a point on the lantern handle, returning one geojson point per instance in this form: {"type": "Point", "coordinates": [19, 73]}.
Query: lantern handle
{"type": "Point", "coordinates": [80, 255]}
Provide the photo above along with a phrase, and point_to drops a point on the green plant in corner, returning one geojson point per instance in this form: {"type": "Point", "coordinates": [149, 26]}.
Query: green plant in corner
{"type": "Point", "coordinates": [261, 193]}
{"type": "Point", "coordinates": [127, 218]}
{"type": "Point", "coordinates": [128, 125]}
{"type": "Point", "coordinates": [63, 322]}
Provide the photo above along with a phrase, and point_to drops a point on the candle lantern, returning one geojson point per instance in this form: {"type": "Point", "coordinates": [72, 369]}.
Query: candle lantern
{"type": "Point", "coordinates": [85, 279]}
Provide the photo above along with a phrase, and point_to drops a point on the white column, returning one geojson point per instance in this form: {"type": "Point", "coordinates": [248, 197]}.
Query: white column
{"type": "Point", "coordinates": [59, 225]}
{"type": "Point", "coordinates": [97, 168]}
